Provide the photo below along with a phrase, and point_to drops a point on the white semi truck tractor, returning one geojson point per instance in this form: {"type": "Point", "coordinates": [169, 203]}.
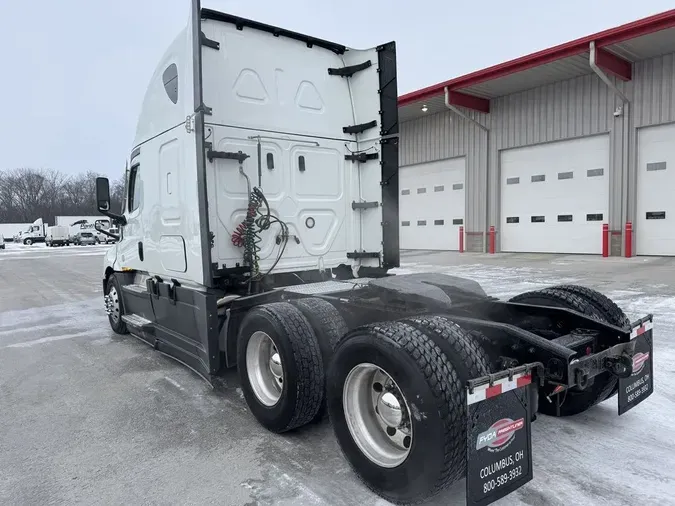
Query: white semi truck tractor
{"type": "Point", "coordinates": [258, 229]}
{"type": "Point", "coordinates": [37, 232]}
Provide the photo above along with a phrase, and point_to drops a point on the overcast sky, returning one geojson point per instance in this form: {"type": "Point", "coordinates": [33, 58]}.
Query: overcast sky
{"type": "Point", "coordinates": [75, 71]}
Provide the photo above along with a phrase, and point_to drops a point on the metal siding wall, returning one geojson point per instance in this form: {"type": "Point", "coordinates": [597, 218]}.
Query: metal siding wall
{"type": "Point", "coordinates": [654, 82]}
{"type": "Point", "coordinates": [447, 135]}
{"type": "Point", "coordinates": [653, 104]}
{"type": "Point", "coordinates": [563, 110]}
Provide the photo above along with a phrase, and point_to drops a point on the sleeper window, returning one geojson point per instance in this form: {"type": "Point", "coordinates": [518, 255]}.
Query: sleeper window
{"type": "Point", "coordinates": [134, 188]}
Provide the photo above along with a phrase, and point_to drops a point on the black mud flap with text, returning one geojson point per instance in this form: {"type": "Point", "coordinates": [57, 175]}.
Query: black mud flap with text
{"type": "Point", "coordinates": [499, 437]}
{"type": "Point", "coordinates": [640, 384]}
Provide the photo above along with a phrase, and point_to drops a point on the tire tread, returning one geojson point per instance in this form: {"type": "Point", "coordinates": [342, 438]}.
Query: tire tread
{"type": "Point", "coordinates": [424, 339]}
{"type": "Point", "coordinates": [443, 381]}
{"type": "Point", "coordinates": [328, 318]}
{"type": "Point", "coordinates": [603, 304]}
{"type": "Point", "coordinates": [307, 357]}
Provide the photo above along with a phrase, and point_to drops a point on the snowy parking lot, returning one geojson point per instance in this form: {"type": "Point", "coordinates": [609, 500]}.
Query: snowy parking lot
{"type": "Point", "coordinates": [93, 417]}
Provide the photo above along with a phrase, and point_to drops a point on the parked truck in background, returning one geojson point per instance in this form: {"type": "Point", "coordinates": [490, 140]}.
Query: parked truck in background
{"type": "Point", "coordinates": [57, 235]}
{"type": "Point", "coordinates": [259, 229]}
{"type": "Point", "coordinates": [35, 233]}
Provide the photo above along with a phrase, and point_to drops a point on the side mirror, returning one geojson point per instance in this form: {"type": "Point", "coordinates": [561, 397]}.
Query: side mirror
{"type": "Point", "coordinates": [102, 194]}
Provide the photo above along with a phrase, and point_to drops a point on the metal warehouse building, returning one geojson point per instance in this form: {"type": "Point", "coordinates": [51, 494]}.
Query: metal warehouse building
{"type": "Point", "coordinates": [547, 148]}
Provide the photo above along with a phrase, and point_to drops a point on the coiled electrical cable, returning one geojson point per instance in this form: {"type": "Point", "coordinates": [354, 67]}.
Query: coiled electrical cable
{"type": "Point", "coordinates": [247, 233]}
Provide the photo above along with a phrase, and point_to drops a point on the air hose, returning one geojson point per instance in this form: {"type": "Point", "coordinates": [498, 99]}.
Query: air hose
{"type": "Point", "coordinates": [247, 233]}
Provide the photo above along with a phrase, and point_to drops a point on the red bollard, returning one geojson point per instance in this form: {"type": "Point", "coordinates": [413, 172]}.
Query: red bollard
{"type": "Point", "coordinates": [461, 239]}
{"type": "Point", "coordinates": [491, 247]}
{"type": "Point", "coordinates": [629, 239]}
{"type": "Point", "coordinates": [605, 240]}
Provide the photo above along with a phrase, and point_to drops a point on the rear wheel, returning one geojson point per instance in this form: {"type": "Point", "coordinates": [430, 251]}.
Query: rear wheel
{"type": "Point", "coordinates": [398, 406]}
{"type": "Point", "coordinates": [574, 400]}
{"type": "Point", "coordinates": [280, 366]}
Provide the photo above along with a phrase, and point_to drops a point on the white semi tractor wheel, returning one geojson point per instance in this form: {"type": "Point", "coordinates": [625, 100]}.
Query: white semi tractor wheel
{"type": "Point", "coordinates": [396, 399]}
{"type": "Point", "coordinates": [114, 305]}
{"type": "Point", "coordinates": [280, 366]}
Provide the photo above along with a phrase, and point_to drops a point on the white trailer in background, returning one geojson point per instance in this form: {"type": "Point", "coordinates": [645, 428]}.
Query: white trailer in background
{"type": "Point", "coordinates": [9, 230]}
{"type": "Point", "coordinates": [70, 220]}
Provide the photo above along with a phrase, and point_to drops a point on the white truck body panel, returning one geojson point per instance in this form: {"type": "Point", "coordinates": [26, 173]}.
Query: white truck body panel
{"type": "Point", "coordinates": [57, 234]}
{"type": "Point", "coordinates": [264, 89]}
{"type": "Point", "coordinates": [277, 88]}
{"type": "Point", "coordinates": [167, 174]}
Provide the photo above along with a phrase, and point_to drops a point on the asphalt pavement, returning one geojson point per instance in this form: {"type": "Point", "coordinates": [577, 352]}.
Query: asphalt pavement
{"type": "Point", "coordinates": [90, 417]}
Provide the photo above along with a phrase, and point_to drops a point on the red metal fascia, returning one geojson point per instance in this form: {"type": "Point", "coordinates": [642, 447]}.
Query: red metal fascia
{"type": "Point", "coordinates": [622, 33]}
{"type": "Point", "coordinates": [638, 28]}
{"type": "Point", "coordinates": [469, 101]}
{"type": "Point", "coordinates": [611, 63]}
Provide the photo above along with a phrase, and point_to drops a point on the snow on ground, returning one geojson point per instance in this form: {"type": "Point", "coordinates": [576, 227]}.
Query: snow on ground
{"type": "Point", "coordinates": [41, 251]}
{"type": "Point", "coordinates": [93, 414]}
{"type": "Point", "coordinates": [596, 458]}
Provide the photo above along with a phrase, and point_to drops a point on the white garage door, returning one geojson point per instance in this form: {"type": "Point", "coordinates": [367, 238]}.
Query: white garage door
{"type": "Point", "coordinates": [431, 204]}
{"type": "Point", "coordinates": [655, 221]}
{"type": "Point", "coordinates": [555, 197]}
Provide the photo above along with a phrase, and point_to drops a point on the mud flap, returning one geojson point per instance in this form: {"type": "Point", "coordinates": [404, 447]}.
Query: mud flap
{"type": "Point", "coordinates": [499, 437]}
{"type": "Point", "coordinates": [640, 384]}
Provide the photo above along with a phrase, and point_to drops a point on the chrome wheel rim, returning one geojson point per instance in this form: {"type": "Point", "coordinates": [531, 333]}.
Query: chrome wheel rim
{"type": "Point", "coordinates": [114, 304]}
{"type": "Point", "coordinates": [378, 415]}
{"type": "Point", "coordinates": [264, 368]}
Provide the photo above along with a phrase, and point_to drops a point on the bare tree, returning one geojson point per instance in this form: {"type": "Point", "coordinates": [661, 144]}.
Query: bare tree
{"type": "Point", "coordinates": [27, 194]}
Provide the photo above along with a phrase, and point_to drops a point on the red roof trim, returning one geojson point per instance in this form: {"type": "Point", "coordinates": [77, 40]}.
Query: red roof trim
{"type": "Point", "coordinates": [469, 101]}
{"type": "Point", "coordinates": [608, 37]}
{"type": "Point", "coordinates": [611, 63]}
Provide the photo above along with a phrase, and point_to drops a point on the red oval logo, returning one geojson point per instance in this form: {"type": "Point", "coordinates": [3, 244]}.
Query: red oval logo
{"type": "Point", "coordinates": [505, 428]}
{"type": "Point", "coordinates": [639, 361]}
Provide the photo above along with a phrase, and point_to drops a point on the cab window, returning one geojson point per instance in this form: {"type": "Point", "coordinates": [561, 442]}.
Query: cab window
{"type": "Point", "coordinates": [134, 188]}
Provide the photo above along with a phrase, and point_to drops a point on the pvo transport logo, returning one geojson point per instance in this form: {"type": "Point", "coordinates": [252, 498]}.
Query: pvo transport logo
{"type": "Point", "coordinates": [639, 361]}
{"type": "Point", "coordinates": [500, 434]}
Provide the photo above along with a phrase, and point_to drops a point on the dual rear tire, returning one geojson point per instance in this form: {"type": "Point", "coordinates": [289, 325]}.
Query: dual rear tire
{"type": "Point", "coordinates": [394, 390]}
{"type": "Point", "coordinates": [397, 403]}
{"type": "Point", "coordinates": [282, 350]}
